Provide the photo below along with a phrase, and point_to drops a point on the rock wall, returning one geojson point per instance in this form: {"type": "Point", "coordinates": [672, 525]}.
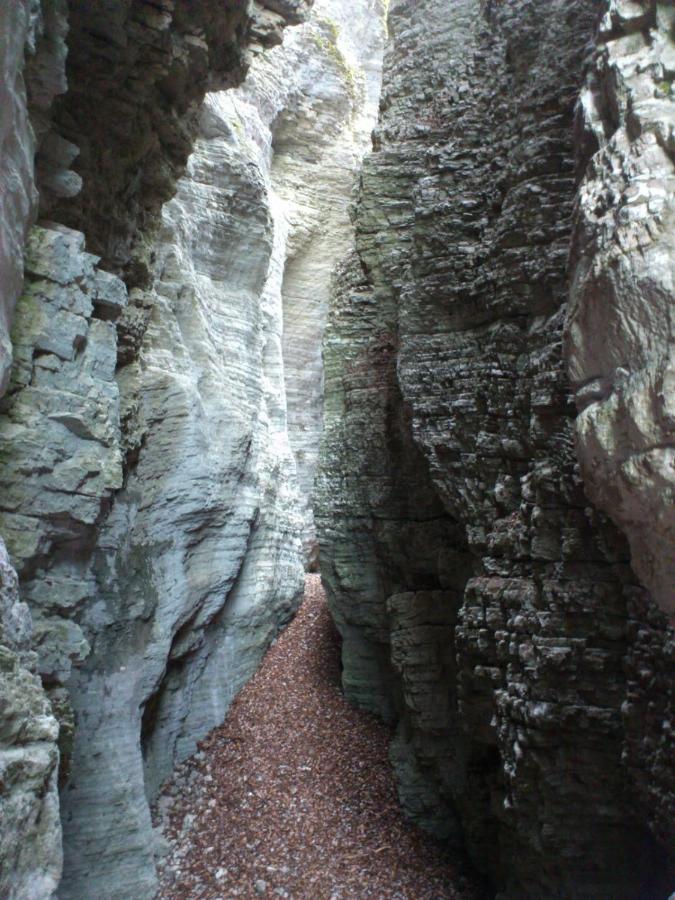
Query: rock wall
{"type": "Point", "coordinates": [30, 831]}
{"type": "Point", "coordinates": [620, 328]}
{"type": "Point", "coordinates": [619, 350]}
{"type": "Point", "coordinates": [31, 61]}
{"type": "Point", "coordinates": [484, 604]}
{"type": "Point", "coordinates": [148, 497]}
{"type": "Point", "coordinates": [319, 143]}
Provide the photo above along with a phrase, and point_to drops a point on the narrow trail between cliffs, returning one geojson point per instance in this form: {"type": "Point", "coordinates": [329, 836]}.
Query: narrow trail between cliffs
{"type": "Point", "coordinates": [293, 796]}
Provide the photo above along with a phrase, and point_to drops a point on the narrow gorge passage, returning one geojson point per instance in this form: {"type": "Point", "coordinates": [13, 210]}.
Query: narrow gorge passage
{"type": "Point", "coordinates": [293, 796]}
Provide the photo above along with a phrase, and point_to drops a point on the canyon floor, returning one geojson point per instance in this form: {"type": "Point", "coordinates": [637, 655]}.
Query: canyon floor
{"type": "Point", "coordinates": [293, 796]}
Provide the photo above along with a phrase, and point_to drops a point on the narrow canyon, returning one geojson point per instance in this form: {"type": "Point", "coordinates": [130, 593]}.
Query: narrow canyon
{"type": "Point", "coordinates": [382, 291]}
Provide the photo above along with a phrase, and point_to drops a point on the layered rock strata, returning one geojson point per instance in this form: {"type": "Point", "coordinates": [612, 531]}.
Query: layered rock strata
{"type": "Point", "coordinates": [485, 605]}
{"type": "Point", "coordinates": [148, 495]}
{"type": "Point", "coordinates": [30, 831]}
{"type": "Point", "coordinates": [620, 340]}
{"type": "Point", "coordinates": [31, 61]}
{"type": "Point", "coordinates": [334, 65]}
{"type": "Point", "coordinates": [620, 335]}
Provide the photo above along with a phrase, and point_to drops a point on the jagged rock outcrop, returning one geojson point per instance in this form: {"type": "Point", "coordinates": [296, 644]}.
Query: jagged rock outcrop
{"type": "Point", "coordinates": [30, 831]}
{"type": "Point", "coordinates": [620, 329]}
{"type": "Point", "coordinates": [619, 347]}
{"type": "Point", "coordinates": [32, 60]}
{"type": "Point", "coordinates": [485, 605]}
{"type": "Point", "coordinates": [137, 74]}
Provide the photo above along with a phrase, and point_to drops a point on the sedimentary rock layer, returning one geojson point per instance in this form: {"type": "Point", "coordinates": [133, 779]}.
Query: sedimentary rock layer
{"type": "Point", "coordinates": [149, 490]}
{"type": "Point", "coordinates": [484, 603]}
{"type": "Point", "coordinates": [620, 340]}
{"type": "Point", "coordinates": [148, 495]}
{"type": "Point", "coordinates": [620, 334]}
{"type": "Point", "coordinates": [30, 831]}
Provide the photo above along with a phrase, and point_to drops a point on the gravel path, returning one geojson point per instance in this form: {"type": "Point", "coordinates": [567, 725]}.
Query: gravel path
{"type": "Point", "coordinates": [293, 796]}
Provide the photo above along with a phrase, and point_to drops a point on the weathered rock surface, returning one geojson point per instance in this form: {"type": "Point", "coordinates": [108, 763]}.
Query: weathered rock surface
{"type": "Point", "coordinates": [32, 59]}
{"type": "Point", "coordinates": [307, 109]}
{"type": "Point", "coordinates": [621, 334]}
{"type": "Point", "coordinates": [147, 492]}
{"type": "Point", "coordinates": [149, 489]}
{"type": "Point", "coordinates": [484, 604]}
{"type": "Point", "coordinates": [30, 831]}
{"type": "Point", "coordinates": [620, 340]}
{"type": "Point", "coordinates": [137, 72]}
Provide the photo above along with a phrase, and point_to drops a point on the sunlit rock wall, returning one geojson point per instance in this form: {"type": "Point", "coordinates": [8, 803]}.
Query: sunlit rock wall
{"type": "Point", "coordinates": [307, 110]}
{"type": "Point", "coordinates": [148, 497]}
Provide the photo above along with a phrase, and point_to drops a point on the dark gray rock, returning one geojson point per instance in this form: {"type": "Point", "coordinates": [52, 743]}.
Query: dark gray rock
{"type": "Point", "coordinates": [484, 604]}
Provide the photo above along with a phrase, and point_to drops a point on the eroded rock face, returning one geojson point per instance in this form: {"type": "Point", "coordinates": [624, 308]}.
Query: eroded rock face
{"type": "Point", "coordinates": [484, 604]}
{"type": "Point", "coordinates": [148, 496]}
{"type": "Point", "coordinates": [32, 60]}
{"type": "Point", "coordinates": [620, 352]}
{"type": "Point", "coordinates": [310, 107]}
{"type": "Point", "coordinates": [620, 335]}
{"type": "Point", "coordinates": [150, 492]}
{"type": "Point", "coordinates": [137, 75]}
{"type": "Point", "coordinates": [30, 830]}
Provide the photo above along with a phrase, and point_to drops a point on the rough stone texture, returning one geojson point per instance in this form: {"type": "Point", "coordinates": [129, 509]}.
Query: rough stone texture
{"type": "Point", "coordinates": [32, 57]}
{"type": "Point", "coordinates": [620, 334]}
{"type": "Point", "coordinates": [308, 108]}
{"type": "Point", "coordinates": [17, 194]}
{"type": "Point", "coordinates": [620, 340]}
{"type": "Point", "coordinates": [31, 64]}
{"type": "Point", "coordinates": [149, 490]}
{"type": "Point", "coordinates": [137, 74]}
{"type": "Point", "coordinates": [457, 544]}
{"type": "Point", "coordinates": [66, 457]}
{"type": "Point", "coordinates": [30, 831]}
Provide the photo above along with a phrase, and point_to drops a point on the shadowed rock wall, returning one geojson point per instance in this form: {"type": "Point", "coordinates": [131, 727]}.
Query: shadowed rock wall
{"type": "Point", "coordinates": [485, 605]}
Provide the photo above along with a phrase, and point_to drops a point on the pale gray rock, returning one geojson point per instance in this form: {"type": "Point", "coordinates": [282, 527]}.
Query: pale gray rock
{"type": "Point", "coordinates": [32, 56]}
{"type": "Point", "coordinates": [309, 107]}
{"type": "Point", "coordinates": [156, 579]}
{"type": "Point", "coordinates": [620, 330]}
{"type": "Point", "coordinates": [30, 830]}
{"type": "Point", "coordinates": [18, 197]}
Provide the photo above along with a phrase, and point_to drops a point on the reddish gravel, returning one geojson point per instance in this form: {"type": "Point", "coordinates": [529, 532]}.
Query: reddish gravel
{"type": "Point", "coordinates": [293, 796]}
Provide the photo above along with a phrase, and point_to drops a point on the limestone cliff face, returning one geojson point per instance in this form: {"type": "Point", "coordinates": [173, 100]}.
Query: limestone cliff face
{"type": "Point", "coordinates": [30, 834]}
{"type": "Point", "coordinates": [148, 488]}
{"type": "Point", "coordinates": [150, 492]}
{"type": "Point", "coordinates": [620, 349]}
{"type": "Point", "coordinates": [485, 605]}
{"type": "Point", "coordinates": [620, 329]}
